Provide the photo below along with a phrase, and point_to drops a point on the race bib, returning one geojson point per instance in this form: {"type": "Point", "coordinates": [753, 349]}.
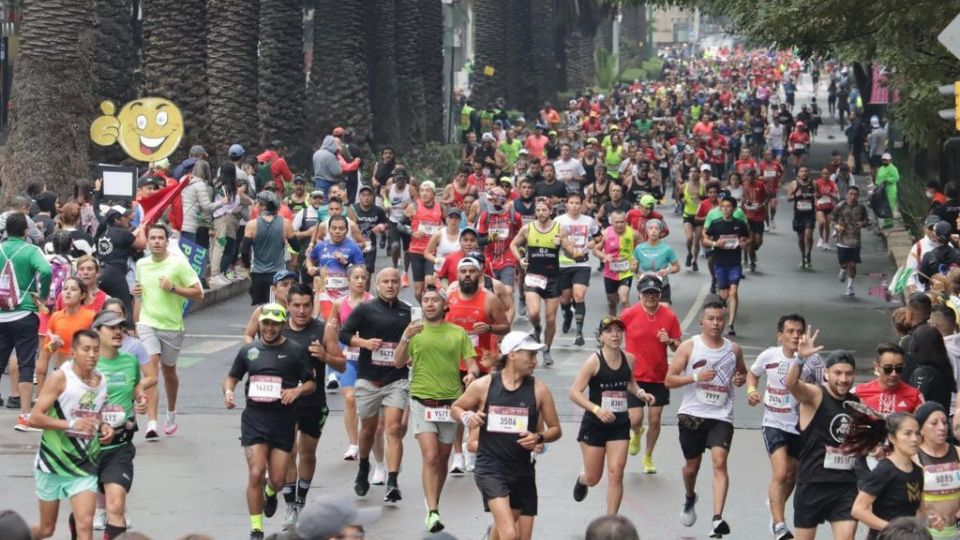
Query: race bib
{"type": "Point", "coordinates": [614, 401]}
{"type": "Point", "coordinates": [336, 282]}
{"type": "Point", "coordinates": [619, 266]}
{"type": "Point", "coordinates": [437, 414]}
{"type": "Point", "coordinates": [438, 264]}
{"type": "Point", "coordinates": [824, 201]}
{"type": "Point", "coordinates": [769, 173]}
{"type": "Point", "coordinates": [352, 353]}
{"type": "Point", "coordinates": [114, 415]}
{"type": "Point", "coordinates": [799, 146]}
{"type": "Point", "coordinates": [751, 206]}
{"type": "Point", "coordinates": [500, 233]}
{"type": "Point", "coordinates": [578, 240]}
{"type": "Point", "coordinates": [474, 340]}
{"type": "Point", "coordinates": [535, 281]}
{"type": "Point", "coordinates": [834, 459]}
{"type": "Point", "coordinates": [78, 414]}
{"type": "Point", "coordinates": [717, 152]}
{"type": "Point", "coordinates": [507, 419]}
{"type": "Point", "coordinates": [264, 388]}
{"type": "Point", "coordinates": [383, 356]}
{"type": "Point", "coordinates": [527, 219]}
{"type": "Point", "coordinates": [941, 478]}
{"type": "Point", "coordinates": [712, 394]}
{"type": "Point", "coordinates": [428, 228]}
{"type": "Point", "coordinates": [778, 399]}
{"type": "Point", "coordinates": [804, 205]}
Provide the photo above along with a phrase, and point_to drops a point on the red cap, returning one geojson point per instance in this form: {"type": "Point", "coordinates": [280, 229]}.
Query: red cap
{"type": "Point", "coordinates": [338, 131]}
{"type": "Point", "coordinates": [267, 156]}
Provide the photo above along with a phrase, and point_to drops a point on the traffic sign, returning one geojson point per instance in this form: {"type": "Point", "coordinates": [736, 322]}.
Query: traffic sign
{"type": "Point", "coordinates": [950, 37]}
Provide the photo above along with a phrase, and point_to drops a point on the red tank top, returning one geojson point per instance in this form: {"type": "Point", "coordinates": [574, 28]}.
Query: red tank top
{"type": "Point", "coordinates": [465, 314]}
{"type": "Point", "coordinates": [427, 221]}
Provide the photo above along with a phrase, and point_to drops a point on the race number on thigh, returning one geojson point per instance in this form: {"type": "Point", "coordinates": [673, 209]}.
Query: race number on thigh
{"type": "Point", "coordinates": [535, 281]}
{"type": "Point", "coordinates": [437, 414]}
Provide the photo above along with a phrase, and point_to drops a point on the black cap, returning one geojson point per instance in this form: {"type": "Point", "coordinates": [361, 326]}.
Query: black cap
{"type": "Point", "coordinates": [650, 282]}
{"type": "Point", "coordinates": [365, 188]}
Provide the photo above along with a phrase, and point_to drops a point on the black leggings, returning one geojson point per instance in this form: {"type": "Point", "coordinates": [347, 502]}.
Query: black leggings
{"type": "Point", "coordinates": [113, 281]}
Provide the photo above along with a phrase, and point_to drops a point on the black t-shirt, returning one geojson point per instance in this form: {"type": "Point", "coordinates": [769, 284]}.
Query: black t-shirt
{"type": "Point", "coordinates": [898, 493]}
{"type": "Point", "coordinates": [726, 233]}
{"type": "Point", "coordinates": [556, 189]}
{"type": "Point", "coordinates": [303, 338]}
{"type": "Point", "coordinates": [368, 219]}
{"type": "Point", "coordinates": [114, 247]}
{"type": "Point", "coordinates": [81, 244]}
{"type": "Point", "coordinates": [265, 366]}
{"type": "Point", "coordinates": [381, 319]}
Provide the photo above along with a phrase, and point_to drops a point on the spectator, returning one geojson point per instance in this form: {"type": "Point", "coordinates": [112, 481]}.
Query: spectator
{"type": "Point", "coordinates": [329, 518]}
{"type": "Point", "coordinates": [197, 153]}
{"type": "Point", "coordinates": [198, 205]}
{"type": "Point", "coordinates": [941, 258]}
{"type": "Point", "coordinates": [876, 144]}
{"type": "Point", "coordinates": [115, 243]}
{"type": "Point", "coordinates": [236, 154]}
{"type": "Point", "coordinates": [29, 280]}
{"type": "Point", "coordinates": [279, 169]}
{"type": "Point", "coordinates": [933, 372]}
{"type": "Point", "coordinates": [326, 166]}
{"type": "Point", "coordinates": [949, 211]}
{"type": "Point", "coordinates": [86, 194]}
{"type": "Point", "coordinates": [13, 527]}
{"type": "Point", "coordinates": [267, 235]}
{"type": "Point", "coordinates": [887, 393]}
{"type": "Point", "coordinates": [920, 248]}
{"type": "Point", "coordinates": [21, 204]}
{"type": "Point", "coordinates": [614, 527]}
{"type": "Point", "coordinates": [888, 178]}
{"type": "Point", "coordinates": [232, 198]}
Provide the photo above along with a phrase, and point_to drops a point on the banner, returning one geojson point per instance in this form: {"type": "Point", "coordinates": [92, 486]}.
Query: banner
{"type": "Point", "coordinates": [197, 258]}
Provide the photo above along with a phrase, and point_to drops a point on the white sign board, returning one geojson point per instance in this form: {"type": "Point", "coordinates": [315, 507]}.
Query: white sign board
{"type": "Point", "coordinates": [950, 37]}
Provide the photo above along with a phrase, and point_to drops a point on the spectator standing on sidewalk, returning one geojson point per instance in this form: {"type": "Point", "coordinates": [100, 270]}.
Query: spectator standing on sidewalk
{"type": "Point", "coordinates": [888, 179]}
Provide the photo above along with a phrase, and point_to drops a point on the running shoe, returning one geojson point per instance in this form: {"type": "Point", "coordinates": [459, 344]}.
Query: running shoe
{"type": "Point", "coordinates": [457, 467]}
{"type": "Point", "coordinates": [648, 466]}
{"type": "Point", "coordinates": [689, 260]}
{"type": "Point", "coordinates": [689, 515]}
{"type": "Point", "coordinates": [13, 402]}
{"type": "Point", "coordinates": [753, 266]}
{"type": "Point", "coordinates": [405, 281]}
{"type": "Point", "coordinates": [151, 434]}
{"type": "Point", "coordinates": [567, 320]}
{"type": "Point", "coordinates": [547, 359]}
{"type": "Point", "coordinates": [379, 475]}
{"type": "Point", "coordinates": [634, 447]}
{"type": "Point", "coordinates": [256, 534]}
{"type": "Point", "coordinates": [219, 281]}
{"type": "Point", "coordinates": [469, 458]}
{"type": "Point", "coordinates": [579, 340]}
{"type": "Point", "coordinates": [579, 490]}
{"type": "Point", "coordinates": [1, 401]}
{"type": "Point", "coordinates": [332, 382]}
{"type": "Point", "coordinates": [820, 243]}
{"type": "Point", "coordinates": [720, 528]}
{"type": "Point", "coordinates": [782, 533]}
{"type": "Point", "coordinates": [695, 268]}
{"type": "Point", "coordinates": [23, 424]}
{"type": "Point", "coordinates": [170, 424]}
{"type": "Point", "coordinates": [433, 522]}
{"type": "Point", "coordinates": [290, 514]}
{"type": "Point", "coordinates": [393, 495]}
{"type": "Point", "coordinates": [100, 519]}
{"type": "Point", "coordinates": [850, 290]}
{"type": "Point", "coordinates": [732, 331]}
{"type": "Point", "coordinates": [803, 262]}
{"type": "Point", "coordinates": [773, 225]}
{"type": "Point", "coordinates": [522, 311]}
{"type": "Point", "coordinates": [351, 453]}
{"type": "Point", "coordinates": [809, 263]}
{"type": "Point", "coordinates": [361, 485]}
{"type": "Point", "coordinates": [842, 276]}
{"type": "Point", "coordinates": [269, 504]}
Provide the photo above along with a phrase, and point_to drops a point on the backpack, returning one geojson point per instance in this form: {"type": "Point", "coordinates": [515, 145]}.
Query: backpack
{"type": "Point", "coordinates": [10, 292]}
{"type": "Point", "coordinates": [60, 270]}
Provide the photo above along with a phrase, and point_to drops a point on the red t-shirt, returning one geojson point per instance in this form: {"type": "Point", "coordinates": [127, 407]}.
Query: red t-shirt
{"type": "Point", "coordinates": [638, 223]}
{"type": "Point", "coordinates": [904, 398]}
{"type": "Point", "coordinates": [500, 230]}
{"type": "Point", "coordinates": [641, 340]}
{"type": "Point", "coordinates": [826, 193]}
{"type": "Point", "coordinates": [743, 164]}
{"type": "Point", "coordinates": [705, 207]}
{"type": "Point", "coordinates": [718, 149]}
{"type": "Point", "coordinates": [754, 195]}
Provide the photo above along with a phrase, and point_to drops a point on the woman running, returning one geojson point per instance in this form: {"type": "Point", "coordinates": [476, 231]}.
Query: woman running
{"type": "Point", "coordinates": [61, 327]}
{"type": "Point", "coordinates": [941, 468]}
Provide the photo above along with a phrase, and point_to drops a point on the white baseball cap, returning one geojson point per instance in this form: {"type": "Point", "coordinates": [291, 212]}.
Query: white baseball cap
{"type": "Point", "coordinates": [886, 156]}
{"type": "Point", "coordinates": [519, 341]}
{"type": "Point", "coordinates": [705, 167]}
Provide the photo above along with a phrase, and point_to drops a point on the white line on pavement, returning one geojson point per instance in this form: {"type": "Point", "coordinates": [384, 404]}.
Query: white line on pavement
{"type": "Point", "coordinates": [695, 308]}
{"type": "Point", "coordinates": [236, 337]}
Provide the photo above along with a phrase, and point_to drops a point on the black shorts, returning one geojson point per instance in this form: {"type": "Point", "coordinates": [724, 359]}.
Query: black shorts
{"type": "Point", "coordinates": [658, 390]}
{"type": "Point", "coordinates": [420, 267]}
{"type": "Point", "coordinates": [394, 236]}
{"type": "Point", "coordinates": [274, 428]}
{"type": "Point", "coordinates": [818, 502]}
{"type": "Point", "coordinates": [848, 255]}
{"type": "Point", "coordinates": [698, 434]}
{"type": "Point", "coordinates": [612, 286]}
{"type": "Point", "coordinates": [260, 283]}
{"type": "Point", "coordinates": [574, 275]}
{"type": "Point", "coordinates": [522, 491]}
{"type": "Point", "coordinates": [116, 466]}
{"type": "Point", "coordinates": [804, 220]}
{"type": "Point", "coordinates": [370, 260]}
{"type": "Point", "coordinates": [310, 420]}
{"type": "Point", "coordinates": [594, 434]}
{"type": "Point", "coordinates": [692, 220]}
{"type": "Point", "coordinates": [774, 438]}
{"type": "Point", "coordinates": [756, 227]}
{"type": "Point", "coordinates": [552, 290]}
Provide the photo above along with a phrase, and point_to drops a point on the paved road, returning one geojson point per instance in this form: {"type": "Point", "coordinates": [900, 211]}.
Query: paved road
{"type": "Point", "coordinates": [197, 478]}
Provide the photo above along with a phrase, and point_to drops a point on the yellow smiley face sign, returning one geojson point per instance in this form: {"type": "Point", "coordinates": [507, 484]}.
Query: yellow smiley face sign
{"type": "Point", "coordinates": [148, 129]}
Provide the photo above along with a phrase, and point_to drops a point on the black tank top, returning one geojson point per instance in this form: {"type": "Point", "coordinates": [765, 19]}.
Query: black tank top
{"type": "Point", "coordinates": [803, 197]}
{"type": "Point", "coordinates": [825, 434]}
{"type": "Point", "coordinates": [384, 171]}
{"type": "Point", "coordinates": [498, 450]}
{"type": "Point", "coordinates": [940, 474]}
{"type": "Point", "coordinates": [608, 388]}
{"type": "Point", "coordinates": [591, 168]}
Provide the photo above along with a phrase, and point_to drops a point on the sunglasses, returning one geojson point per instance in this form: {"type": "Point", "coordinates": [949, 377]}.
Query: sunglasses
{"type": "Point", "coordinates": [280, 313]}
{"type": "Point", "coordinates": [887, 370]}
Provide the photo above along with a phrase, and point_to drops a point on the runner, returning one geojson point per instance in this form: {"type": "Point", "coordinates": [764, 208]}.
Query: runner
{"type": "Point", "coordinates": [497, 226]}
{"type": "Point", "coordinates": [62, 325]}
{"type": "Point", "coordinates": [283, 281]}
{"type": "Point", "coordinates": [164, 284]}
{"type": "Point", "coordinates": [771, 172]}
{"type": "Point", "coordinates": [850, 218]}
{"type": "Point", "coordinates": [656, 257]}
{"type": "Point", "coordinates": [941, 462]}
{"type": "Point", "coordinates": [278, 373]}
{"type": "Point", "coordinates": [584, 234]}
{"type": "Point", "coordinates": [756, 200]}
{"type": "Point", "coordinates": [801, 193]}
{"type": "Point", "coordinates": [693, 191]}
{"type": "Point", "coordinates": [125, 399]}
{"type": "Point", "coordinates": [328, 262]}
{"type": "Point", "coordinates": [779, 426]}
{"type": "Point", "coordinates": [373, 222]}
{"type": "Point", "coordinates": [707, 367]}
{"type": "Point", "coordinates": [68, 411]}
{"type": "Point", "coordinates": [514, 414]}
{"type": "Point", "coordinates": [727, 237]}
{"type": "Point", "coordinates": [444, 242]}
{"type": "Point", "coordinates": [376, 327]}
{"type": "Point", "coordinates": [307, 333]}
{"type": "Point", "coordinates": [826, 482]}
{"type": "Point", "coordinates": [543, 238]}
{"type": "Point", "coordinates": [434, 348]}
{"type": "Point", "coordinates": [616, 252]}
{"type": "Point", "coordinates": [638, 217]}
{"type": "Point", "coordinates": [605, 427]}
{"type": "Point", "coordinates": [399, 194]}
{"type": "Point", "coordinates": [798, 141]}
{"type": "Point", "coordinates": [826, 191]}
{"type": "Point", "coordinates": [426, 217]}
{"type": "Point", "coordinates": [525, 206]}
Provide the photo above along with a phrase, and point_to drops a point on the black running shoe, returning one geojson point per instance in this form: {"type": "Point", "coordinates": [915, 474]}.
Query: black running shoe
{"type": "Point", "coordinates": [362, 484]}
{"type": "Point", "coordinates": [579, 341]}
{"type": "Point", "coordinates": [567, 321]}
{"type": "Point", "coordinates": [579, 491]}
{"type": "Point", "coordinates": [256, 534]}
{"type": "Point", "coordinates": [269, 504]}
{"type": "Point", "coordinates": [689, 260]}
{"type": "Point", "coordinates": [393, 495]}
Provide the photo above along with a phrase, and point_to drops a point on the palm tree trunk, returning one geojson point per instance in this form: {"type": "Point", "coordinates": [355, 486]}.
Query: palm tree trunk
{"type": "Point", "coordinates": [576, 71]}
{"type": "Point", "coordinates": [280, 75]}
{"type": "Point", "coordinates": [114, 66]}
{"type": "Point", "coordinates": [52, 100]}
{"type": "Point", "coordinates": [490, 51]}
{"type": "Point", "coordinates": [382, 64]}
{"type": "Point", "coordinates": [431, 66]}
{"type": "Point", "coordinates": [543, 46]}
{"type": "Point", "coordinates": [520, 88]}
{"type": "Point", "coordinates": [410, 83]}
{"type": "Point", "coordinates": [174, 62]}
{"type": "Point", "coordinates": [232, 71]}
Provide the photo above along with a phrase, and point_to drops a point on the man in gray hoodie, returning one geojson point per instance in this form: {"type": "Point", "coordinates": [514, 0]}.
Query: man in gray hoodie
{"type": "Point", "coordinates": [326, 166]}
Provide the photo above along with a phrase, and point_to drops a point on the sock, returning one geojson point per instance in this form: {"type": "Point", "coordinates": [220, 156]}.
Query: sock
{"type": "Point", "coordinates": [567, 309]}
{"type": "Point", "coordinates": [364, 468]}
{"type": "Point", "coordinates": [72, 525]}
{"type": "Point", "coordinates": [536, 329]}
{"type": "Point", "coordinates": [580, 308]}
{"type": "Point", "coordinates": [849, 282]}
{"type": "Point", "coordinates": [778, 525]}
{"type": "Point", "coordinates": [303, 486]}
{"type": "Point", "coordinates": [112, 531]}
{"type": "Point", "coordinates": [289, 492]}
{"type": "Point", "coordinates": [256, 522]}
{"type": "Point", "coordinates": [392, 478]}
{"type": "Point", "coordinates": [172, 417]}
{"type": "Point", "coordinates": [268, 489]}
{"type": "Point", "coordinates": [717, 517]}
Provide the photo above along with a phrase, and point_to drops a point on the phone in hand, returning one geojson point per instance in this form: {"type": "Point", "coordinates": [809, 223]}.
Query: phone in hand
{"type": "Point", "coordinates": [416, 314]}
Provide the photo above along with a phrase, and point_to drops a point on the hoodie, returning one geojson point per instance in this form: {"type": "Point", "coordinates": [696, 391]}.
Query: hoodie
{"type": "Point", "coordinates": [325, 162]}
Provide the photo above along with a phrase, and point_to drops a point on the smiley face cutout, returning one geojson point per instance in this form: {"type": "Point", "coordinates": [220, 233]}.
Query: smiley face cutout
{"type": "Point", "coordinates": [148, 129]}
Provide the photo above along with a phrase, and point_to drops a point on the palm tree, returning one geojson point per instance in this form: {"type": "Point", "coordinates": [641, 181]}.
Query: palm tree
{"type": "Point", "coordinates": [338, 93]}
{"type": "Point", "coordinates": [543, 45]}
{"type": "Point", "coordinates": [519, 90]}
{"type": "Point", "coordinates": [490, 50]}
{"type": "Point", "coordinates": [174, 61]}
{"type": "Point", "coordinates": [431, 66]}
{"type": "Point", "coordinates": [280, 73]}
{"type": "Point", "coordinates": [382, 64]}
{"type": "Point", "coordinates": [232, 71]}
{"type": "Point", "coordinates": [115, 64]}
{"type": "Point", "coordinates": [409, 80]}
{"type": "Point", "coordinates": [52, 99]}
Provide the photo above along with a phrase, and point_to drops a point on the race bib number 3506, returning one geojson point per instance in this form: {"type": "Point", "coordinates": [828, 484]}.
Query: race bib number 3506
{"type": "Point", "coordinates": [507, 419]}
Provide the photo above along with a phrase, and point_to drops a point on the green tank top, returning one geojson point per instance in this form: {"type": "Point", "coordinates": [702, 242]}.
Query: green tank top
{"type": "Point", "coordinates": [543, 250]}
{"type": "Point", "coordinates": [511, 151]}
{"type": "Point", "coordinates": [692, 202]}
{"type": "Point", "coordinates": [613, 159]}
{"type": "Point", "coordinates": [123, 375]}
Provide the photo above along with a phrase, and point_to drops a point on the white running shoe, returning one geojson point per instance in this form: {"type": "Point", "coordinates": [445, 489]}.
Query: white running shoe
{"type": "Point", "coordinates": [458, 466]}
{"type": "Point", "coordinates": [379, 475]}
{"type": "Point", "coordinates": [332, 382]}
{"type": "Point", "coordinates": [842, 276]}
{"type": "Point", "coordinates": [170, 424]}
{"type": "Point", "coordinates": [470, 461]}
{"type": "Point", "coordinates": [100, 519]}
{"type": "Point", "coordinates": [351, 453]}
{"type": "Point", "coordinates": [218, 281]}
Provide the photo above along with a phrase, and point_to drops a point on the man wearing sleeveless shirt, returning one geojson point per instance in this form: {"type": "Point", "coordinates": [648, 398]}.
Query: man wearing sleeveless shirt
{"type": "Point", "coordinates": [518, 415]}
{"type": "Point", "coordinates": [802, 193]}
{"type": "Point", "coordinates": [826, 481]}
{"type": "Point", "coordinates": [707, 367]}
{"type": "Point", "coordinates": [267, 235]}
{"type": "Point", "coordinates": [426, 218]}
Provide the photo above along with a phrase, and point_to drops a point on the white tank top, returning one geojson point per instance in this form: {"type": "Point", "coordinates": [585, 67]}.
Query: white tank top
{"type": "Point", "coordinates": [714, 398]}
{"type": "Point", "coordinates": [77, 401]}
{"type": "Point", "coordinates": [399, 200]}
{"type": "Point", "coordinates": [780, 409]}
{"type": "Point", "coordinates": [446, 247]}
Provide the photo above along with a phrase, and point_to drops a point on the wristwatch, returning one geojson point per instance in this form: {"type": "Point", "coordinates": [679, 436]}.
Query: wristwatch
{"type": "Point", "coordinates": [539, 438]}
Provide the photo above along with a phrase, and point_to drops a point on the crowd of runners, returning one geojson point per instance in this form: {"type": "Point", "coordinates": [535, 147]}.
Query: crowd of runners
{"type": "Point", "coordinates": [515, 237]}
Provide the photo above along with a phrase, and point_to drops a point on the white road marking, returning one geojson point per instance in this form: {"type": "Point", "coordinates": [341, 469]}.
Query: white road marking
{"type": "Point", "coordinates": [695, 308]}
{"type": "Point", "coordinates": [235, 337]}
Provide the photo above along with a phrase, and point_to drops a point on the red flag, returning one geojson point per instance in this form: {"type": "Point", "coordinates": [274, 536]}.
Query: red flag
{"type": "Point", "coordinates": [155, 204]}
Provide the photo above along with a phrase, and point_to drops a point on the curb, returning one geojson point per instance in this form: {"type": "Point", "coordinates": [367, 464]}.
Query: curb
{"type": "Point", "coordinates": [898, 242]}
{"type": "Point", "coordinates": [215, 296]}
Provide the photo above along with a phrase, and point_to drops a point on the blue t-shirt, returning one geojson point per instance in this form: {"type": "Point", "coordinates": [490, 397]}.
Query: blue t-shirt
{"type": "Point", "coordinates": [324, 255]}
{"type": "Point", "coordinates": [654, 258]}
